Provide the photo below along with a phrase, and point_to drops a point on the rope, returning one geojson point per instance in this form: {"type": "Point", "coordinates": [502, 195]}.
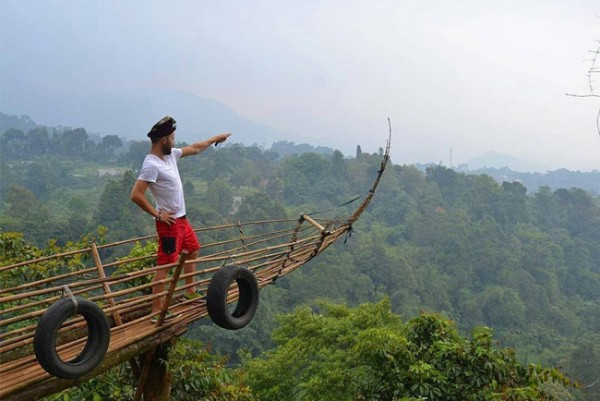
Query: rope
{"type": "Point", "coordinates": [242, 240]}
{"type": "Point", "coordinates": [73, 299]}
{"type": "Point", "coordinates": [593, 383]}
{"type": "Point", "coordinates": [349, 232]}
{"type": "Point", "coordinates": [337, 206]}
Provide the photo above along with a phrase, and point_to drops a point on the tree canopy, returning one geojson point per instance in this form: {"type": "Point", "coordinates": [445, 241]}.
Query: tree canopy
{"type": "Point", "coordinates": [367, 353]}
{"type": "Point", "coordinates": [479, 251]}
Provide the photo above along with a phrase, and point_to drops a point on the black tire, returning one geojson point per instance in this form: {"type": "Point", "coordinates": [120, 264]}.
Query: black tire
{"type": "Point", "coordinates": [216, 297]}
{"type": "Point", "coordinates": [44, 340]}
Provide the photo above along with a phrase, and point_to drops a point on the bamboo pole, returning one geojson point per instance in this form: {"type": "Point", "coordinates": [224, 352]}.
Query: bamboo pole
{"type": "Point", "coordinates": [313, 222]}
{"type": "Point", "coordinates": [161, 319]}
{"type": "Point", "coordinates": [111, 300]}
{"type": "Point", "coordinates": [58, 255]}
{"type": "Point", "coordinates": [167, 301]}
{"type": "Point", "coordinates": [105, 286]}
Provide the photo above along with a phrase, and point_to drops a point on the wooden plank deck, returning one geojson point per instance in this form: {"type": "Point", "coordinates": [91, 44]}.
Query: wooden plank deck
{"type": "Point", "coordinates": [24, 378]}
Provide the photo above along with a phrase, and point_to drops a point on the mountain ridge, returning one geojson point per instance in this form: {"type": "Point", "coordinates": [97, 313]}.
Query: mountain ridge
{"type": "Point", "coordinates": [130, 114]}
{"type": "Point", "coordinates": [493, 159]}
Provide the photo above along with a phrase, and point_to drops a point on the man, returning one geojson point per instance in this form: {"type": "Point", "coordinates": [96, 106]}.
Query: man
{"type": "Point", "coordinates": [160, 174]}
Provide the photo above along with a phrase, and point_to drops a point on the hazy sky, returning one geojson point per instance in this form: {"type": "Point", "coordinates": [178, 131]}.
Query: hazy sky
{"type": "Point", "coordinates": [474, 76]}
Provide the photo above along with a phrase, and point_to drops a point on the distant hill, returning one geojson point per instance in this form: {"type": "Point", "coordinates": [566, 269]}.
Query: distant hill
{"type": "Point", "coordinates": [562, 178]}
{"type": "Point", "coordinates": [503, 167]}
{"type": "Point", "coordinates": [501, 160]}
{"type": "Point", "coordinates": [131, 114]}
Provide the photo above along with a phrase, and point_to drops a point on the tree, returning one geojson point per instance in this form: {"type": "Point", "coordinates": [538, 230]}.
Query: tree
{"type": "Point", "coordinates": [300, 174]}
{"type": "Point", "coordinates": [502, 307]}
{"type": "Point", "coordinates": [73, 142]}
{"type": "Point", "coordinates": [189, 189]}
{"type": "Point", "coordinates": [339, 171]}
{"type": "Point", "coordinates": [358, 151]}
{"type": "Point", "coordinates": [196, 375]}
{"type": "Point", "coordinates": [368, 353]}
{"type": "Point", "coordinates": [109, 144]}
{"type": "Point", "coordinates": [13, 144]}
{"type": "Point", "coordinates": [38, 142]}
{"type": "Point", "coordinates": [134, 157]}
{"type": "Point", "coordinates": [483, 199]}
{"type": "Point", "coordinates": [220, 197]}
{"type": "Point", "coordinates": [42, 176]}
{"type": "Point", "coordinates": [452, 184]}
{"type": "Point", "coordinates": [116, 211]}
{"type": "Point", "coordinates": [514, 202]}
{"type": "Point", "coordinates": [584, 363]}
{"type": "Point", "coordinates": [258, 206]}
{"type": "Point", "coordinates": [546, 210]}
{"type": "Point", "coordinates": [25, 213]}
{"type": "Point", "coordinates": [9, 176]}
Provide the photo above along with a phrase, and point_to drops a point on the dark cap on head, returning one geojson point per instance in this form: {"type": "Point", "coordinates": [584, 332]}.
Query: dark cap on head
{"type": "Point", "coordinates": [163, 128]}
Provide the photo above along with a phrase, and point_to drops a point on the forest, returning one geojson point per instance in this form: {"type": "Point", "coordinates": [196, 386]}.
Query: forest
{"type": "Point", "coordinates": [472, 262]}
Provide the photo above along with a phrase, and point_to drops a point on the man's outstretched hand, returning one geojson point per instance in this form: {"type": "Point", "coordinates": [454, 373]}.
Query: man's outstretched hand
{"type": "Point", "coordinates": [221, 138]}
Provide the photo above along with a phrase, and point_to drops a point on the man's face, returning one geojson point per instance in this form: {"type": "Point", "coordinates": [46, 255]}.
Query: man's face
{"type": "Point", "coordinates": [167, 143]}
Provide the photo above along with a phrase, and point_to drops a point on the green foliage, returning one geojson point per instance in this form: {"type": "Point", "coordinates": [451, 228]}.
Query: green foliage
{"type": "Point", "coordinates": [114, 385]}
{"type": "Point", "coordinates": [479, 251]}
{"type": "Point", "coordinates": [15, 249]}
{"type": "Point", "coordinates": [26, 213]}
{"type": "Point", "coordinates": [145, 259]}
{"type": "Point", "coordinates": [300, 174]}
{"type": "Point", "coordinates": [196, 376]}
{"type": "Point", "coordinates": [117, 212]}
{"type": "Point", "coordinates": [257, 206]}
{"type": "Point", "coordinates": [220, 197]}
{"type": "Point", "coordinates": [16, 122]}
{"type": "Point", "coordinates": [199, 376]}
{"type": "Point", "coordinates": [368, 353]}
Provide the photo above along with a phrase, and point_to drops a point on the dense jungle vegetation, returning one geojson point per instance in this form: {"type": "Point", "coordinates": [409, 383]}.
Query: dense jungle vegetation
{"type": "Point", "coordinates": [440, 253]}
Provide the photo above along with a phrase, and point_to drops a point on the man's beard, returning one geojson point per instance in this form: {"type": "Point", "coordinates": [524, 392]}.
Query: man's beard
{"type": "Point", "coordinates": [166, 149]}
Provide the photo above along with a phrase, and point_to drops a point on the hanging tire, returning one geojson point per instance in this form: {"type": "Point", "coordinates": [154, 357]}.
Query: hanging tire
{"type": "Point", "coordinates": [216, 297]}
{"type": "Point", "coordinates": [98, 337]}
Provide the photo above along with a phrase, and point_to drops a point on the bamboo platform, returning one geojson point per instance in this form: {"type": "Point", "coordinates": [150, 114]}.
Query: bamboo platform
{"type": "Point", "coordinates": [122, 287]}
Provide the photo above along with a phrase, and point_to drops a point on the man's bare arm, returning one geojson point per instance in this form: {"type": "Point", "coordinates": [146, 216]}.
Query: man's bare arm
{"type": "Point", "coordinates": [138, 196]}
{"type": "Point", "coordinates": [198, 147]}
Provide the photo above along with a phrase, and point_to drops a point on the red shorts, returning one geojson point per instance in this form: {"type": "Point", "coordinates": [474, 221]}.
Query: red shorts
{"type": "Point", "coordinates": [174, 238]}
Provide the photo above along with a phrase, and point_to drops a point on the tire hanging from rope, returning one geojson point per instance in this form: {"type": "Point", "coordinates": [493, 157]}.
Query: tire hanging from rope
{"type": "Point", "coordinates": [217, 293]}
{"type": "Point", "coordinates": [46, 332]}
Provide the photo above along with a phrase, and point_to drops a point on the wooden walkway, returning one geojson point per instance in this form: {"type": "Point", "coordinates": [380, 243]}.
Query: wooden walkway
{"type": "Point", "coordinates": [21, 377]}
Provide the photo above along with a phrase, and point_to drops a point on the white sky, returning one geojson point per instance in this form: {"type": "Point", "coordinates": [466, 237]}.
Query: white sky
{"type": "Point", "coordinates": [474, 76]}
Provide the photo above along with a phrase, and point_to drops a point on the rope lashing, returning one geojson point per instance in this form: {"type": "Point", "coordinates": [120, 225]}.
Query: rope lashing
{"type": "Point", "coordinates": [337, 206]}
{"type": "Point", "coordinates": [242, 240]}
{"type": "Point", "coordinates": [73, 299]}
{"type": "Point", "coordinates": [349, 232]}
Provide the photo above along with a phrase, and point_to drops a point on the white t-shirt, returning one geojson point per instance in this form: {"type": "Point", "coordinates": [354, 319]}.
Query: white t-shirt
{"type": "Point", "coordinates": [165, 182]}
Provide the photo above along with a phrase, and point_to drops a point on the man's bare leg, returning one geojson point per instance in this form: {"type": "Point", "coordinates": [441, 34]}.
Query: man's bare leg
{"type": "Point", "coordinates": [157, 289]}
